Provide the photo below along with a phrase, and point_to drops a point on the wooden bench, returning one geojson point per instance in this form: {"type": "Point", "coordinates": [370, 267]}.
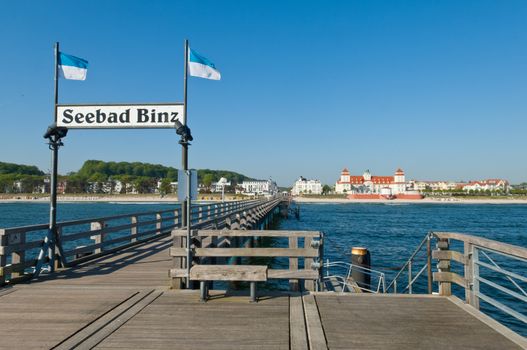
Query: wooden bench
{"type": "Point", "coordinates": [241, 273]}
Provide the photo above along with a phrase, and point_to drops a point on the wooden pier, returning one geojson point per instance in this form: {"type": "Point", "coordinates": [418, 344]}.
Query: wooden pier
{"type": "Point", "coordinates": [124, 298]}
{"type": "Point", "coordinates": [124, 301]}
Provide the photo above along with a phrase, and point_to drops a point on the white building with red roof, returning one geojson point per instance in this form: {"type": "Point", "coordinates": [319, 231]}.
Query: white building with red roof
{"type": "Point", "coordinates": [371, 184]}
{"type": "Point", "coordinates": [487, 185]}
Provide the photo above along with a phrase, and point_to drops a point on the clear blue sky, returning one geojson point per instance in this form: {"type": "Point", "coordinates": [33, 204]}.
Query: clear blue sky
{"type": "Point", "coordinates": [438, 88]}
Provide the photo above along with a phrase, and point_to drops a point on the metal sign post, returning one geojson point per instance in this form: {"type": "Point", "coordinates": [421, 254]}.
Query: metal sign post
{"type": "Point", "coordinates": [187, 192]}
{"type": "Point", "coordinates": [189, 224]}
{"type": "Point", "coordinates": [184, 162]}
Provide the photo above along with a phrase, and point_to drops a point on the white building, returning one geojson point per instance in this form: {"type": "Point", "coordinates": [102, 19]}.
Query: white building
{"type": "Point", "coordinates": [487, 185]}
{"type": "Point", "coordinates": [305, 186]}
{"type": "Point", "coordinates": [259, 187]}
{"type": "Point", "coordinates": [368, 184]}
{"type": "Point", "coordinates": [220, 185]}
{"type": "Point", "coordinates": [434, 185]}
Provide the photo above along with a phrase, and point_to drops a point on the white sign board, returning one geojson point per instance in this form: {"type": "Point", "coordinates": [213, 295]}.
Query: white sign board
{"type": "Point", "coordinates": [143, 116]}
{"type": "Point", "coordinates": [182, 185]}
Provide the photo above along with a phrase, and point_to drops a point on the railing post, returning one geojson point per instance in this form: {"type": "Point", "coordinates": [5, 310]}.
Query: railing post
{"type": "Point", "coordinates": [17, 257]}
{"type": "Point", "coordinates": [394, 286]}
{"type": "Point", "coordinates": [445, 288]}
{"type": "Point", "coordinates": [200, 214]}
{"type": "Point", "coordinates": [293, 264]}
{"type": "Point", "coordinates": [178, 242]}
{"type": "Point", "coordinates": [475, 276]}
{"type": "Point", "coordinates": [308, 284]}
{"type": "Point", "coordinates": [98, 237]}
{"type": "Point", "coordinates": [410, 277]}
{"type": "Point", "coordinates": [158, 223]}
{"type": "Point", "coordinates": [429, 263]}
{"type": "Point", "coordinates": [133, 230]}
{"type": "Point", "coordinates": [3, 258]}
{"type": "Point", "coordinates": [176, 218]}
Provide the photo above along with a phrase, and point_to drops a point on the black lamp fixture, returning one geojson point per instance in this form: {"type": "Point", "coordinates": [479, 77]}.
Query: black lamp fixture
{"type": "Point", "coordinates": [57, 131]}
{"type": "Point", "coordinates": [184, 132]}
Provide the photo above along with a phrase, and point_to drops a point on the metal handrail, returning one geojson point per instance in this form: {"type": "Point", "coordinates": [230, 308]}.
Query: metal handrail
{"type": "Point", "coordinates": [343, 279]}
{"type": "Point", "coordinates": [408, 266]}
{"type": "Point", "coordinates": [474, 250]}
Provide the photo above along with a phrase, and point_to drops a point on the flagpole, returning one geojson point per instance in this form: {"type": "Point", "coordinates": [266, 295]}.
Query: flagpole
{"type": "Point", "coordinates": [186, 205]}
{"type": "Point", "coordinates": [56, 79]}
{"type": "Point", "coordinates": [54, 169]}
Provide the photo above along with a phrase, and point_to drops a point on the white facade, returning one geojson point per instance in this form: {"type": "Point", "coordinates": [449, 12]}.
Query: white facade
{"type": "Point", "coordinates": [259, 187]}
{"type": "Point", "coordinates": [369, 184]}
{"type": "Point", "coordinates": [220, 185]}
{"type": "Point", "coordinates": [487, 185]}
{"type": "Point", "coordinates": [435, 185]}
{"type": "Point", "coordinates": [305, 186]}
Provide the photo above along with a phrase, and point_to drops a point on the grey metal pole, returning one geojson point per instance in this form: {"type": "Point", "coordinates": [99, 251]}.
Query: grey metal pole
{"type": "Point", "coordinates": [56, 80]}
{"type": "Point", "coordinates": [184, 146]}
{"type": "Point", "coordinates": [187, 221]}
{"type": "Point", "coordinates": [54, 170]}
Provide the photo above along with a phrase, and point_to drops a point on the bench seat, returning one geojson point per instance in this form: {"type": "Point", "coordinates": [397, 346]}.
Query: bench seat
{"type": "Point", "coordinates": [241, 273]}
{"type": "Point", "coordinates": [245, 273]}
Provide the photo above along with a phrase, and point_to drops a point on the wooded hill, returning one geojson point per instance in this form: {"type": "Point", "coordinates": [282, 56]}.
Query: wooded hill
{"type": "Point", "coordinates": [144, 176]}
{"type": "Point", "coordinates": [99, 168]}
{"type": "Point", "coordinates": [19, 169]}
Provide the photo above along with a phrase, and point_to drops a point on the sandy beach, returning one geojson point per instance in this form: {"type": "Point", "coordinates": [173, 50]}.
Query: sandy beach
{"type": "Point", "coordinates": [115, 198]}
{"type": "Point", "coordinates": [413, 201]}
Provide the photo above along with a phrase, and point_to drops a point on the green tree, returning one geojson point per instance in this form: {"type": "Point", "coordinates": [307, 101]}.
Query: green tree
{"type": "Point", "coordinates": [12, 168]}
{"type": "Point", "coordinates": [208, 179]}
{"type": "Point", "coordinates": [165, 187]}
{"type": "Point", "coordinates": [326, 189]}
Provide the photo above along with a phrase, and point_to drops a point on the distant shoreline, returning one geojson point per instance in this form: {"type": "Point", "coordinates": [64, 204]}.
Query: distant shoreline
{"type": "Point", "coordinates": [412, 201]}
{"type": "Point", "coordinates": [209, 198]}
{"type": "Point", "coordinates": [107, 199]}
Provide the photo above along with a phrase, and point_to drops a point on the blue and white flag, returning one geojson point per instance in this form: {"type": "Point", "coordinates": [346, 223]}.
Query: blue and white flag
{"type": "Point", "coordinates": [199, 66]}
{"type": "Point", "coordinates": [71, 67]}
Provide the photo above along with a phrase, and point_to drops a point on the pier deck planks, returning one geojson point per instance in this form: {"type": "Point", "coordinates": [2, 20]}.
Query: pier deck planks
{"type": "Point", "coordinates": [80, 303]}
{"type": "Point", "coordinates": [361, 321]}
{"type": "Point", "coordinates": [179, 320]}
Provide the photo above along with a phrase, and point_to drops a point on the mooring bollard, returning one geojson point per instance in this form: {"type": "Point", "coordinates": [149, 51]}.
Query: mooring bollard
{"type": "Point", "coordinates": [361, 261]}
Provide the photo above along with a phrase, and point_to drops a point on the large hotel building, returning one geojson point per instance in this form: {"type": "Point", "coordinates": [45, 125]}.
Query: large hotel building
{"type": "Point", "coordinates": [371, 186]}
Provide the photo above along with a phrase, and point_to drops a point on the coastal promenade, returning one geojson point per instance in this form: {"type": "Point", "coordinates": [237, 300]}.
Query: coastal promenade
{"type": "Point", "coordinates": [124, 301]}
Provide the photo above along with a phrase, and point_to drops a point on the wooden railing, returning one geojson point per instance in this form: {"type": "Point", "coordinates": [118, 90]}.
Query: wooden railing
{"type": "Point", "coordinates": [87, 239]}
{"type": "Point", "coordinates": [471, 262]}
{"type": "Point", "coordinates": [239, 239]}
{"type": "Point", "coordinates": [485, 263]}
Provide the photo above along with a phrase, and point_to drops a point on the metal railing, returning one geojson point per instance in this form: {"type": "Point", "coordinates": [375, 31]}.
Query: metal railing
{"type": "Point", "coordinates": [87, 239]}
{"type": "Point", "coordinates": [423, 248]}
{"type": "Point", "coordinates": [345, 280]}
{"type": "Point", "coordinates": [486, 270]}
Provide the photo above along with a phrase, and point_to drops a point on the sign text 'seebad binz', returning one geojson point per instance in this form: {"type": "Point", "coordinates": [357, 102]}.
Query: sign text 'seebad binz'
{"type": "Point", "coordinates": [148, 116]}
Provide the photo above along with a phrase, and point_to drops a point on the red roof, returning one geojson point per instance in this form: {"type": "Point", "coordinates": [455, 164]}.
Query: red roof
{"type": "Point", "coordinates": [345, 171]}
{"type": "Point", "coordinates": [382, 179]}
